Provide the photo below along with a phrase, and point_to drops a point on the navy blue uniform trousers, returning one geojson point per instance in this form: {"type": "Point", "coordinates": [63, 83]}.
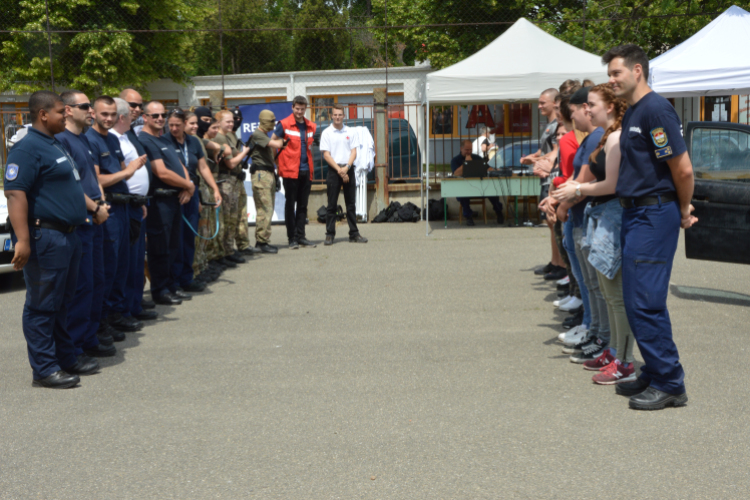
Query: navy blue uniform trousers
{"type": "Point", "coordinates": [164, 243]}
{"type": "Point", "coordinates": [116, 260]}
{"type": "Point", "coordinates": [97, 301]}
{"type": "Point", "coordinates": [183, 265]}
{"type": "Point", "coordinates": [50, 274]}
{"type": "Point", "coordinates": [79, 308]}
{"type": "Point", "coordinates": [134, 285]}
{"type": "Point", "coordinates": [649, 241]}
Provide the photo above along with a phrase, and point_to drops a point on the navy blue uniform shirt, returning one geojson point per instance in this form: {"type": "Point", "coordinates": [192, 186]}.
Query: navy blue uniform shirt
{"type": "Point", "coordinates": [161, 148]}
{"type": "Point", "coordinates": [190, 151]}
{"type": "Point", "coordinates": [304, 166]}
{"type": "Point", "coordinates": [40, 167]}
{"type": "Point", "coordinates": [589, 144]}
{"type": "Point", "coordinates": [78, 147]}
{"type": "Point", "coordinates": [651, 134]}
{"type": "Point", "coordinates": [460, 159]}
{"type": "Point", "coordinates": [105, 149]}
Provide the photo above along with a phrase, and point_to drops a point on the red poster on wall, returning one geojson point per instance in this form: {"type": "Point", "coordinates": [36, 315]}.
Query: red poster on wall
{"type": "Point", "coordinates": [520, 118]}
{"type": "Point", "coordinates": [480, 114]}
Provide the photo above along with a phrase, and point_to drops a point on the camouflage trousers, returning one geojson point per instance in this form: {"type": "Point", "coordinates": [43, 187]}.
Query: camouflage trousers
{"type": "Point", "coordinates": [229, 214]}
{"type": "Point", "coordinates": [206, 229]}
{"type": "Point", "coordinates": [242, 239]}
{"type": "Point", "coordinates": [264, 196]}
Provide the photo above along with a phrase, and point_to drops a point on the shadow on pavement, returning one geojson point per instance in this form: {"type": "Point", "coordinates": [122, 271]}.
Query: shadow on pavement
{"type": "Point", "coordinates": [710, 295]}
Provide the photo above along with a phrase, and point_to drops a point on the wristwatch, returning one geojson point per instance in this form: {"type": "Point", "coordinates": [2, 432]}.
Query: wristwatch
{"type": "Point", "coordinates": [578, 191]}
{"type": "Point", "coordinates": [97, 210]}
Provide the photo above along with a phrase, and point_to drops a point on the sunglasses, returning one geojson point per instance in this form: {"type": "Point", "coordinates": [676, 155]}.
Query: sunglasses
{"type": "Point", "coordinates": [157, 115]}
{"type": "Point", "coordinates": [83, 107]}
{"type": "Point", "coordinates": [177, 111]}
{"type": "Point", "coordinates": [136, 105]}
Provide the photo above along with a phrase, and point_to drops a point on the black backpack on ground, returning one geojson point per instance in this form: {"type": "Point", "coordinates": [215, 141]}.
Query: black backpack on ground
{"type": "Point", "coordinates": [437, 211]}
{"type": "Point", "coordinates": [387, 213]}
{"type": "Point", "coordinates": [409, 212]}
{"type": "Point", "coordinates": [322, 211]}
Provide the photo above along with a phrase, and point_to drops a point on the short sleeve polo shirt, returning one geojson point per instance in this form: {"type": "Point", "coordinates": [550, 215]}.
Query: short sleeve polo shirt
{"type": "Point", "coordinates": [651, 135]}
{"type": "Point", "coordinates": [40, 167]}
{"type": "Point", "coordinates": [159, 148]}
{"type": "Point", "coordinates": [338, 143]}
{"type": "Point", "coordinates": [106, 152]}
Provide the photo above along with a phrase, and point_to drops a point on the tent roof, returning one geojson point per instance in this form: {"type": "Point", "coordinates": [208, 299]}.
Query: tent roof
{"type": "Point", "coordinates": [711, 62]}
{"type": "Point", "coordinates": [517, 66]}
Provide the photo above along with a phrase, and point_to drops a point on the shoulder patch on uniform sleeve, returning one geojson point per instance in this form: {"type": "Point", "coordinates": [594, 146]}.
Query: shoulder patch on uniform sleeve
{"type": "Point", "coordinates": [663, 152]}
{"type": "Point", "coordinates": [659, 136]}
{"type": "Point", "coordinates": [11, 172]}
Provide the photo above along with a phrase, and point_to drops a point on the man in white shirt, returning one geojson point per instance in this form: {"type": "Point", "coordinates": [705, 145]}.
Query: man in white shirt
{"type": "Point", "coordinates": [481, 146]}
{"type": "Point", "coordinates": [339, 148]}
{"type": "Point", "coordinates": [138, 185]}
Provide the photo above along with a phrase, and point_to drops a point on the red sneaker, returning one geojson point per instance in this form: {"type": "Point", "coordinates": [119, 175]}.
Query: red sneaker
{"type": "Point", "coordinates": [615, 373]}
{"type": "Point", "coordinates": [597, 364]}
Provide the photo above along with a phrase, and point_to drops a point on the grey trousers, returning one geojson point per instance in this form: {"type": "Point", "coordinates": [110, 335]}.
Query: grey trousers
{"type": "Point", "coordinates": [622, 337]}
{"type": "Point", "coordinates": [599, 317]}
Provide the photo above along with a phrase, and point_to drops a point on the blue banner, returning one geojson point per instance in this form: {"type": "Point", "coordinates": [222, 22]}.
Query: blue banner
{"type": "Point", "coordinates": [251, 112]}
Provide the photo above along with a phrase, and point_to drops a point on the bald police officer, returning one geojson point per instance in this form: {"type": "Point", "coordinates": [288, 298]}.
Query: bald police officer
{"type": "Point", "coordinates": [655, 187]}
{"type": "Point", "coordinates": [45, 204]}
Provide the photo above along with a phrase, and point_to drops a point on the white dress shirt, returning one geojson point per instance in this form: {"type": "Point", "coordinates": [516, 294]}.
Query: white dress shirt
{"type": "Point", "coordinates": [339, 143]}
{"type": "Point", "coordinates": [139, 183]}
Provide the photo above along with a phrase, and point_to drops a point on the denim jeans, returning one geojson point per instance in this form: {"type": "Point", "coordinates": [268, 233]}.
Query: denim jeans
{"type": "Point", "coordinates": [575, 266]}
{"type": "Point", "coordinates": [599, 325]}
{"type": "Point", "coordinates": [602, 239]}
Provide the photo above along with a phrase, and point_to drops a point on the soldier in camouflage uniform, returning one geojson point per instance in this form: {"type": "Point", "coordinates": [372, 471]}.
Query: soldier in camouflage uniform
{"type": "Point", "coordinates": [264, 180]}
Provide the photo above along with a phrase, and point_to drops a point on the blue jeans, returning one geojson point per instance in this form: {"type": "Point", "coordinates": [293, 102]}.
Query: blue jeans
{"type": "Point", "coordinates": [50, 274]}
{"type": "Point", "coordinates": [575, 266]}
{"type": "Point", "coordinates": [603, 237]}
{"type": "Point", "coordinates": [649, 242]}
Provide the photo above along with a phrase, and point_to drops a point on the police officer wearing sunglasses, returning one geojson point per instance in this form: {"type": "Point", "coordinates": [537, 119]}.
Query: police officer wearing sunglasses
{"type": "Point", "coordinates": [46, 203]}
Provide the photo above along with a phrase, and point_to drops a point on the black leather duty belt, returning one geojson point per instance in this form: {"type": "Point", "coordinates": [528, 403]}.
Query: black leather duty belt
{"type": "Point", "coordinates": [57, 226]}
{"type": "Point", "coordinates": [645, 201]}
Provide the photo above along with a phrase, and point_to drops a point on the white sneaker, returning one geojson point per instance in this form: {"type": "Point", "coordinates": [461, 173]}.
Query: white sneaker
{"type": "Point", "coordinates": [564, 281]}
{"type": "Point", "coordinates": [575, 335]}
{"type": "Point", "coordinates": [562, 301]}
{"type": "Point", "coordinates": [571, 305]}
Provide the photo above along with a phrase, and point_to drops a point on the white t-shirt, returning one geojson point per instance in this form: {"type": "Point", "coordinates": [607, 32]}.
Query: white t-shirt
{"type": "Point", "coordinates": [339, 143]}
{"type": "Point", "coordinates": [139, 183]}
{"type": "Point", "coordinates": [476, 147]}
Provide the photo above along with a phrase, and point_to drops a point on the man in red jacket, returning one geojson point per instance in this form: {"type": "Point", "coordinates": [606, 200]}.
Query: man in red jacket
{"type": "Point", "coordinates": [296, 168]}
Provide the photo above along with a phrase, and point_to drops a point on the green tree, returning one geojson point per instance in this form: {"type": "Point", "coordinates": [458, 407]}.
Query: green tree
{"type": "Point", "coordinates": [103, 61]}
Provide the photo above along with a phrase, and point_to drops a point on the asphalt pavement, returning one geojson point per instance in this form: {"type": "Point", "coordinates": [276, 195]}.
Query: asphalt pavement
{"type": "Point", "coordinates": [411, 367]}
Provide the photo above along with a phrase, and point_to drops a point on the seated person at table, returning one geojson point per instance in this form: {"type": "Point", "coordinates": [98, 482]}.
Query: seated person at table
{"type": "Point", "coordinates": [457, 166]}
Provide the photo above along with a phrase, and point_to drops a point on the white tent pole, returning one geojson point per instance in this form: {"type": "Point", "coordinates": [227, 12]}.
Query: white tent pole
{"type": "Point", "coordinates": [427, 163]}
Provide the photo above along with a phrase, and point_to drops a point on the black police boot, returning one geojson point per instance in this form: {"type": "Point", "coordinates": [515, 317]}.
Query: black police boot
{"type": "Point", "coordinates": [357, 239]}
{"type": "Point", "coordinates": [654, 399]}
{"type": "Point", "coordinates": [194, 286]}
{"type": "Point", "coordinates": [632, 388]}
{"type": "Point", "coordinates": [266, 248]}
{"type": "Point", "coordinates": [329, 241]}
{"type": "Point", "coordinates": [293, 245]}
{"type": "Point", "coordinates": [58, 380]}
{"type": "Point", "coordinates": [147, 315]}
{"type": "Point", "coordinates": [251, 250]}
{"type": "Point", "coordinates": [84, 365]}
{"type": "Point", "coordinates": [167, 299]}
{"type": "Point", "coordinates": [148, 304]}
{"type": "Point", "coordinates": [228, 263]}
{"type": "Point", "coordinates": [102, 333]}
{"type": "Point", "coordinates": [304, 242]}
{"type": "Point", "coordinates": [124, 323]}
{"type": "Point", "coordinates": [101, 351]}
{"type": "Point", "coordinates": [182, 295]}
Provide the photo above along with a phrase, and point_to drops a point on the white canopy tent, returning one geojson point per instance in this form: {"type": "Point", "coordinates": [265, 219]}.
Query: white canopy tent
{"type": "Point", "coordinates": [711, 62]}
{"type": "Point", "coordinates": [517, 66]}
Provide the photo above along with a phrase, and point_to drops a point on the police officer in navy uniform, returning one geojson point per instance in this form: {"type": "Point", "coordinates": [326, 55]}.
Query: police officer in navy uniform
{"type": "Point", "coordinates": [655, 187]}
{"type": "Point", "coordinates": [172, 188]}
{"type": "Point", "coordinates": [84, 311]}
{"type": "Point", "coordinates": [45, 204]}
{"type": "Point", "coordinates": [113, 173]}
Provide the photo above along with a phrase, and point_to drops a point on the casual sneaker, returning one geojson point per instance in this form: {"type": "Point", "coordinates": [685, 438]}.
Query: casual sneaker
{"type": "Point", "coordinates": [573, 321]}
{"type": "Point", "coordinates": [576, 335]}
{"type": "Point", "coordinates": [589, 351]}
{"type": "Point", "coordinates": [572, 305]}
{"type": "Point", "coordinates": [564, 281]}
{"type": "Point", "coordinates": [557, 273]}
{"type": "Point", "coordinates": [615, 373]}
{"type": "Point", "coordinates": [562, 301]}
{"type": "Point", "coordinates": [541, 271]}
{"type": "Point", "coordinates": [600, 363]}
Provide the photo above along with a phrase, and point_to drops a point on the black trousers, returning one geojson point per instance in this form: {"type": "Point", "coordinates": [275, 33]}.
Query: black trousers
{"type": "Point", "coordinates": [334, 184]}
{"type": "Point", "coordinates": [297, 192]}
{"type": "Point", "coordinates": [164, 243]}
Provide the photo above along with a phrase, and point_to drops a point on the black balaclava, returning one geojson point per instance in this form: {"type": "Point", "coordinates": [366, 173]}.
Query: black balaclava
{"type": "Point", "coordinates": [200, 112]}
{"type": "Point", "coordinates": [237, 119]}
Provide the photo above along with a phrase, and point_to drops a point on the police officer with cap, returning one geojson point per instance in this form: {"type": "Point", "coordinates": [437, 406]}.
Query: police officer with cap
{"type": "Point", "coordinates": [45, 204]}
{"type": "Point", "coordinates": [172, 188]}
{"type": "Point", "coordinates": [655, 187]}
